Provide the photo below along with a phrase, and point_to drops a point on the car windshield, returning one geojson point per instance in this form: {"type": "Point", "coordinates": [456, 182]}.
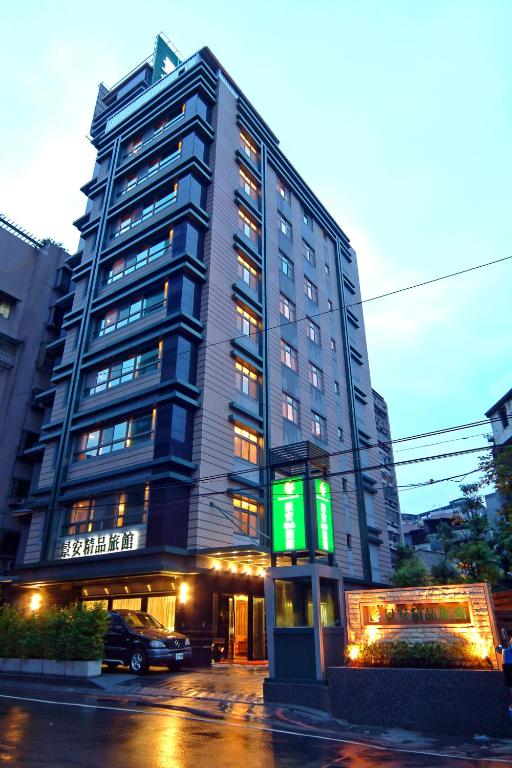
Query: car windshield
{"type": "Point", "coordinates": [138, 620]}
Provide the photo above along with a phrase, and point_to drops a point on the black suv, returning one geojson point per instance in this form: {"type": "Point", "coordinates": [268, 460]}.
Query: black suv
{"type": "Point", "coordinates": [137, 639]}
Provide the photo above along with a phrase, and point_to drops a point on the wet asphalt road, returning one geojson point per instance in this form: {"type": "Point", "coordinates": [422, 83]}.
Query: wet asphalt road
{"type": "Point", "coordinates": [63, 731]}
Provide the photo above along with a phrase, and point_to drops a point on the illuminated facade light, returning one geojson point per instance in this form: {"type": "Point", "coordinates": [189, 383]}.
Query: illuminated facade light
{"type": "Point", "coordinates": [35, 601]}
{"type": "Point", "coordinates": [184, 593]}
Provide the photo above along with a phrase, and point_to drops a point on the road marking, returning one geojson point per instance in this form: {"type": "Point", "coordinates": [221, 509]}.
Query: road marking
{"type": "Point", "coordinates": [264, 729]}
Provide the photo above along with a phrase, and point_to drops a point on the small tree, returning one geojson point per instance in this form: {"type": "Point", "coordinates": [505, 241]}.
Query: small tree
{"type": "Point", "coordinates": [409, 569]}
{"type": "Point", "coordinates": [468, 544]}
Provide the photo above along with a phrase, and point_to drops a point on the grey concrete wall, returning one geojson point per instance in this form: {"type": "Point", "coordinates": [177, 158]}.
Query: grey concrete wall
{"type": "Point", "coordinates": [213, 433]}
{"type": "Point", "coordinates": [453, 701]}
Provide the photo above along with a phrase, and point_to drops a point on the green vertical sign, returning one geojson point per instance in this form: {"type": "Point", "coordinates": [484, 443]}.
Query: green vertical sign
{"type": "Point", "coordinates": [288, 516]}
{"type": "Point", "coordinates": [323, 504]}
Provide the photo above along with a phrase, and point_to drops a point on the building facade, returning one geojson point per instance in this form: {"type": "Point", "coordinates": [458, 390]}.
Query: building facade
{"type": "Point", "coordinates": [500, 416]}
{"type": "Point", "coordinates": [388, 472]}
{"type": "Point", "coordinates": [34, 283]}
{"type": "Point", "coordinates": [216, 314]}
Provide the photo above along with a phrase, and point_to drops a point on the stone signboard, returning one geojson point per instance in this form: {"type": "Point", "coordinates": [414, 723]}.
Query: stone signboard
{"type": "Point", "coordinates": [424, 613]}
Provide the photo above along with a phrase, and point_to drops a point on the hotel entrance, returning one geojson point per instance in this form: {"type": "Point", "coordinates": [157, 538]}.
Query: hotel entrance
{"type": "Point", "coordinates": [240, 627]}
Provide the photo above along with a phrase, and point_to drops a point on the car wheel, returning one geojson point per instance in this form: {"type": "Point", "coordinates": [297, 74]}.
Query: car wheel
{"type": "Point", "coordinates": [138, 661]}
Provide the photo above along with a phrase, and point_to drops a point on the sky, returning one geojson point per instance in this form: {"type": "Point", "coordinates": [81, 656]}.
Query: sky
{"type": "Point", "coordinates": [397, 114]}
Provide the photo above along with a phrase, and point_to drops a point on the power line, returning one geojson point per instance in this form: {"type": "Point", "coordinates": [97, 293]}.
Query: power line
{"type": "Point", "coordinates": [394, 292]}
{"type": "Point", "coordinates": [209, 493]}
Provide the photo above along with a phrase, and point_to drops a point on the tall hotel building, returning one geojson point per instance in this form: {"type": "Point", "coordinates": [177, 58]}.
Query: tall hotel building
{"type": "Point", "coordinates": [216, 315]}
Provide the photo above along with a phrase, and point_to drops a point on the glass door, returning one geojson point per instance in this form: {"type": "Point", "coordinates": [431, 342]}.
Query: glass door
{"type": "Point", "coordinates": [241, 626]}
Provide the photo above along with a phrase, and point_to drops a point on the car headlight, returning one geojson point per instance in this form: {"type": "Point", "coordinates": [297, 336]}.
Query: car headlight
{"type": "Point", "coordinates": [187, 641]}
{"type": "Point", "coordinates": [156, 644]}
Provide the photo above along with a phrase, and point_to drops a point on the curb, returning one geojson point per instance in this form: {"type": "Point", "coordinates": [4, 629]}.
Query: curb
{"type": "Point", "coordinates": [51, 680]}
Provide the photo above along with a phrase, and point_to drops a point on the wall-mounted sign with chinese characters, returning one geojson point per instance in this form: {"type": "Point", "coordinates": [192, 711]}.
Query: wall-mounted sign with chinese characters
{"type": "Point", "coordinates": [407, 614]}
{"type": "Point", "coordinates": [325, 532]}
{"type": "Point", "coordinates": [288, 515]}
{"type": "Point", "coordinates": [101, 543]}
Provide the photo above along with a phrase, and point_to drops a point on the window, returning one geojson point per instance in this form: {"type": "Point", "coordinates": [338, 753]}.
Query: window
{"type": "Point", "coordinates": [5, 308]}
{"type": "Point", "coordinates": [245, 515]}
{"type": "Point", "coordinates": [246, 380]}
{"type": "Point", "coordinates": [249, 186]}
{"type": "Point", "coordinates": [136, 144]}
{"type": "Point", "coordinates": [121, 372]}
{"type": "Point", "coordinates": [316, 377]}
{"type": "Point", "coordinates": [134, 178]}
{"type": "Point", "coordinates": [125, 434]}
{"type": "Point", "coordinates": [502, 413]}
{"type": "Point", "coordinates": [107, 511]}
{"type": "Point", "coordinates": [128, 264]}
{"type": "Point", "coordinates": [309, 253]}
{"type": "Point", "coordinates": [249, 148]}
{"type": "Point", "coordinates": [308, 220]}
{"type": "Point", "coordinates": [246, 323]}
{"type": "Point", "coordinates": [340, 434]}
{"type": "Point", "coordinates": [289, 356]}
{"type": "Point", "coordinates": [248, 226]}
{"type": "Point", "coordinates": [313, 332]}
{"type": "Point", "coordinates": [310, 290]}
{"type": "Point", "coordinates": [283, 191]}
{"type": "Point", "coordinates": [287, 308]}
{"type": "Point", "coordinates": [329, 305]}
{"type": "Point", "coordinates": [246, 444]}
{"type": "Point", "coordinates": [327, 269]}
{"type": "Point", "coordinates": [247, 273]}
{"type": "Point", "coordinates": [336, 388]}
{"type": "Point", "coordinates": [286, 265]}
{"type": "Point", "coordinates": [318, 426]}
{"type": "Point", "coordinates": [333, 345]}
{"type": "Point", "coordinates": [284, 226]}
{"type": "Point", "coordinates": [121, 316]}
{"type": "Point", "coordinates": [141, 213]}
{"type": "Point", "coordinates": [349, 541]}
{"type": "Point", "coordinates": [169, 120]}
{"type": "Point", "coordinates": [290, 408]}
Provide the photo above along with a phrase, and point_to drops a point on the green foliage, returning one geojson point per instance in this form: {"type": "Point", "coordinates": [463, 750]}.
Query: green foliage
{"type": "Point", "coordinates": [432, 654]}
{"type": "Point", "coordinates": [445, 573]}
{"type": "Point", "coordinates": [86, 629]}
{"type": "Point", "coordinates": [497, 471]}
{"type": "Point", "coordinates": [74, 634]}
{"type": "Point", "coordinates": [409, 570]}
{"type": "Point", "coordinates": [470, 554]}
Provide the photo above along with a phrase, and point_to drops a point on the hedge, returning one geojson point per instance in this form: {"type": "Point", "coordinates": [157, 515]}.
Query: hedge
{"type": "Point", "coordinates": [61, 634]}
{"type": "Point", "coordinates": [435, 654]}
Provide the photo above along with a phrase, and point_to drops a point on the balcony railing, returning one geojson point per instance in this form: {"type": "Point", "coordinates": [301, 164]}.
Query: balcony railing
{"type": "Point", "coordinates": [7, 360]}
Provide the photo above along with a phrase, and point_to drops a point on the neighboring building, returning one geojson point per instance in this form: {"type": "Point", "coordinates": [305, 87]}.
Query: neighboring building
{"type": "Point", "coordinates": [388, 473]}
{"type": "Point", "coordinates": [153, 489]}
{"type": "Point", "coordinates": [33, 284]}
{"type": "Point", "coordinates": [420, 531]}
{"type": "Point", "coordinates": [500, 416]}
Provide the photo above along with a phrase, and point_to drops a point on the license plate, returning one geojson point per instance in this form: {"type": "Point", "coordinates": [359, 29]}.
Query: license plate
{"type": "Point", "coordinates": [179, 656]}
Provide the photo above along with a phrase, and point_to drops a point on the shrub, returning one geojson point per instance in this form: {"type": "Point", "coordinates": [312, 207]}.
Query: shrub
{"type": "Point", "coordinates": [86, 630]}
{"type": "Point", "coordinates": [432, 654]}
{"type": "Point", "coordinates": [74, 634]}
